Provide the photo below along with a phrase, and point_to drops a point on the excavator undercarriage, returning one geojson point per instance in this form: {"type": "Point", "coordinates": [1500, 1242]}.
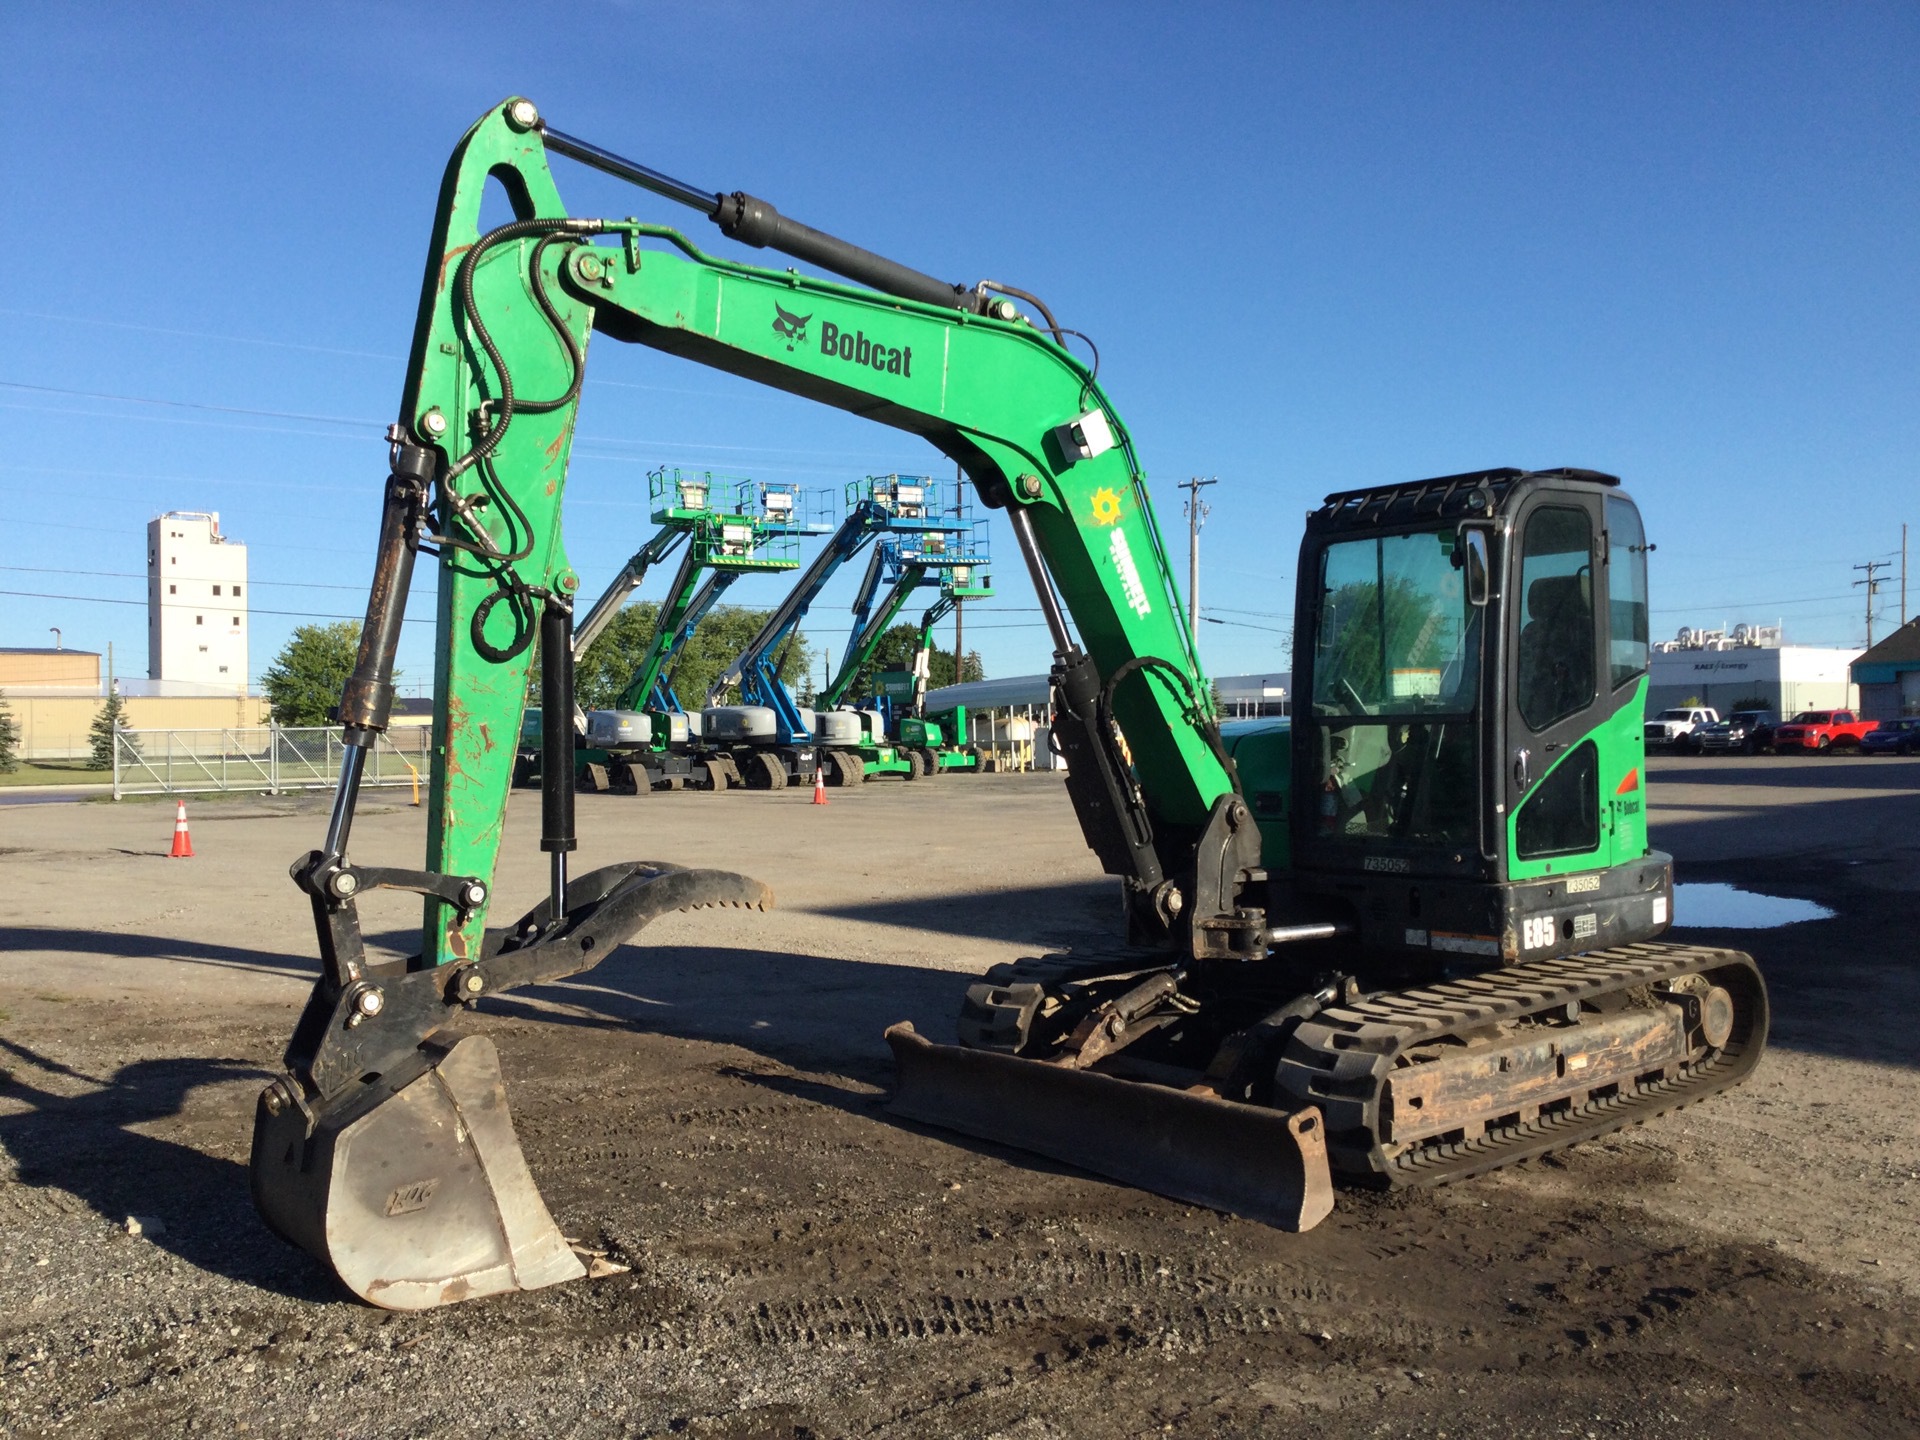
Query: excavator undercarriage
{"type": "Point", "coordinates": [1408, 1087]}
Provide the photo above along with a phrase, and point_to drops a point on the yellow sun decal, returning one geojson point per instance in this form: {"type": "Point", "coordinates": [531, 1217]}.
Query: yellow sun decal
{"type": "Point", "coordinates": [1106, 506]}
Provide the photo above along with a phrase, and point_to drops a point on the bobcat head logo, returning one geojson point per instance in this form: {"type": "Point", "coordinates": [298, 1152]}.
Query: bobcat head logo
{"type": "Point", "coordinates": [788, 326]}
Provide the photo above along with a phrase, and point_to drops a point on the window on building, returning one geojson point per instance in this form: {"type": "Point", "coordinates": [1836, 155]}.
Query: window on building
{"type": "Point", "coordinates": [236, 592]}
{"type": "Point", "coordinates": [236, 619]}
{"type": "Point", "coordinates": [173, 559]}
{"type": "Point", "coordinates": [216, 589]}
{"type": "Point", "coordinates": [223, 669]}
{"type": "Point", "coordinates": [199, 619]}
{"type": "Point", "coordinates": [173, 589]}
{"type": "Point", "coordinates": [203, 649]}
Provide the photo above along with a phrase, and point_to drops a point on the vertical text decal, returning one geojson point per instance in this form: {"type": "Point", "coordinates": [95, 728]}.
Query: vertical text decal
{"type": "Point", "coordinates": [1130, 586]}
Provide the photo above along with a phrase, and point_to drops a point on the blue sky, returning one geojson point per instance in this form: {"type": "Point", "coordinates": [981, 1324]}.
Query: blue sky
{"type": "Point", "coordinates": [1319, 247]}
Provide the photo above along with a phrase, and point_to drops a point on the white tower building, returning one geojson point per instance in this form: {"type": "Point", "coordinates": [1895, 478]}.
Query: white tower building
{"type": "Point", "coordinates": [196, 605]}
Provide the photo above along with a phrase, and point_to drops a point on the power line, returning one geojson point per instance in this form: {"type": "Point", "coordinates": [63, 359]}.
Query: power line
{"type": "Point", "coordinates": [182, 605]}
{"type": "Point", "coordinates": [1243, 625]}
{"type": "Point", "coordinates": [187, 579]}
{"type": "Point", "coordinates": [182, 404]}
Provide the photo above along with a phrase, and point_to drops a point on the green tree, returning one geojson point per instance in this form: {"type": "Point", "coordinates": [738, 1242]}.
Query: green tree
{"type": "Point", "coordinates": [304, 682]}
{"type": "Point", "coordinates": [609, 664]}
{"type": "Point", "coordinates": [111, 714]}
{"type": "Point", "coordinates": [896, 651]}
{"type": "Point", "coordinates": [9, 737]}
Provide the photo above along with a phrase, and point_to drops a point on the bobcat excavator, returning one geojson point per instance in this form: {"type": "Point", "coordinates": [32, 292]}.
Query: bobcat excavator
{"type": "Point", "coordinates": [1408, 938]}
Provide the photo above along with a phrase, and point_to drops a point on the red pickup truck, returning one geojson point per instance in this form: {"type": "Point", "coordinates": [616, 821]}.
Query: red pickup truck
{"type": "Point", "coordinates": [1821, 730]}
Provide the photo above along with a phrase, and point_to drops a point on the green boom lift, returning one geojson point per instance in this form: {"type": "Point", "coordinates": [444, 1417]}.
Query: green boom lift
{"type": "Point", "coordinates": [643, 742]}
{"type": "Point", "coordinates": [1409, 937]}
{"type": "Point", "coordinates": [894, 720]}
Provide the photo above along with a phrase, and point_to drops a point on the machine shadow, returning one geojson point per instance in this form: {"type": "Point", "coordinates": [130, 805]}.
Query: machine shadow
{"type": "Point", "coordinates": [1078, 913]}
{"type": "Point", "coordinates": [803, 1012]}
{"type": "Point", "coordinates": [86, 1145]}
{"type": "Point", "coordinates": [132, 945]}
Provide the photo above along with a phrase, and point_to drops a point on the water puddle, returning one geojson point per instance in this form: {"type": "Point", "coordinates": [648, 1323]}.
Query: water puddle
{"type": "Point", "coordinates": [1722, 907]}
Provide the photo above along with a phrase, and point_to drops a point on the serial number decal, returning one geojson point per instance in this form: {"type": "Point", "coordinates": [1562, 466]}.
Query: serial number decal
{"type": "Point", "coordinates": [1388, 864]}
{"type": "Point", "coordinates": [1581, 884]}
{"type": "Point", "coordinates": [1465, 944]}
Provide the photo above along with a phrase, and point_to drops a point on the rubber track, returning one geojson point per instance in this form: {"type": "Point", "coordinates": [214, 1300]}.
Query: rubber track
{"type": "Point", "coordinates": [1342, 1058]}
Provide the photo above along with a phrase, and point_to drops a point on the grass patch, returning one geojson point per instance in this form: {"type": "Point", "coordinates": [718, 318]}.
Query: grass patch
{"type": "Point", "coordinates": [56, 772]}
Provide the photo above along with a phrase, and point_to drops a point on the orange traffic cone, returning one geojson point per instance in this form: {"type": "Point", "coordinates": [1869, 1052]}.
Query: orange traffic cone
{"type": "Point", "coordinates": [820, 786]}
{"type": "Point", "coordinates": [182, 841]}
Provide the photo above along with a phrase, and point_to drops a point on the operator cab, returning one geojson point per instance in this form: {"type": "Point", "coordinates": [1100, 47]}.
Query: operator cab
{"type": "Point", "coordinates": [1471, 657]}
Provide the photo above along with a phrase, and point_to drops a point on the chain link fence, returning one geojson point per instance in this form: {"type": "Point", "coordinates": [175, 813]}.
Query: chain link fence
{"type": "Point", "coordinates": [270, 758]}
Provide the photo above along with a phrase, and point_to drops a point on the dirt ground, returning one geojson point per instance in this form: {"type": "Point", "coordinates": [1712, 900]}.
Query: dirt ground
{"type": "Point", "coordinates": [707, 1108]}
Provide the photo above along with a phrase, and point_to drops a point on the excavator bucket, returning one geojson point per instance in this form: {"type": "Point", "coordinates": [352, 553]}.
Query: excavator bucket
{"type": "Point", "coordinates": [412, 1187]}
{"type": "Point", "coordinates": [1265, 1165]}
{"type": "Point", "coordinates": [397, 1165]}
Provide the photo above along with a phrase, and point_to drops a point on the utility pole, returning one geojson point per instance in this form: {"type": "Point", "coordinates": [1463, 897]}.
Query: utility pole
{"type": "Point", "coordinates": [1873, 588]}
{"type": "Point", "coordinates": [1197, 512]}
{"type": "Point", "coordinates": [1903, 572]}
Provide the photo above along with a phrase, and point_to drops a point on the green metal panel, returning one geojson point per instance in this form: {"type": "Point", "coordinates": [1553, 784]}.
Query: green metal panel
{"type": "Point", "coordinates": [479, 703]}
{"type": "Point", "coordinates": [1262, 752]}
{"type": "Point", "coordinates": [1621, 742]}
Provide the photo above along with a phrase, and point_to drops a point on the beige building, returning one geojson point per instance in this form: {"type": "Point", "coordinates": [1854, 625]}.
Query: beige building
{"type": "Point", "coordinates": [55, 694]}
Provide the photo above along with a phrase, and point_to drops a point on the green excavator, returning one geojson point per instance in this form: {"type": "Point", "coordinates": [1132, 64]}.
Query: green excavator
{"type": "Point", "coordinates": [1410, 936]}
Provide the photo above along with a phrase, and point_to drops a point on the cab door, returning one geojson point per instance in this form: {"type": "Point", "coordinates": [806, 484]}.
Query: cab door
{"type": "Point", "coordinates": [1558, 698]}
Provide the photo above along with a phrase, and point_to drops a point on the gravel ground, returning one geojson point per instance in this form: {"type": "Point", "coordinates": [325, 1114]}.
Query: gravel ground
{"type": "Point", "coordinates": [706, 1109]}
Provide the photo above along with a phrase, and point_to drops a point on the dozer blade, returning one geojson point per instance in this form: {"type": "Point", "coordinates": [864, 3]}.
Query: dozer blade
{"type": "Point", "coordinates": [412, 1186]}
{"type": "Point", "coordinates": [1265, 1165]}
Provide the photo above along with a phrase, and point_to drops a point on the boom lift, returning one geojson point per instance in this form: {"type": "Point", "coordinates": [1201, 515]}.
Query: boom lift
{"type": "Point", "coordinates": [1409, 937]}
{"type": "Point", "coordinates": [885, 723]}
{"type": "Point", "coordinates": [643, 742]}
{"type": "Point", "coordinates": [772, 740]}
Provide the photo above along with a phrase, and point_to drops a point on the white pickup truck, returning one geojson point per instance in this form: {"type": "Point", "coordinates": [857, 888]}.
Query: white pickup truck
{"type": "Point", "coordinates": [1669, 727]}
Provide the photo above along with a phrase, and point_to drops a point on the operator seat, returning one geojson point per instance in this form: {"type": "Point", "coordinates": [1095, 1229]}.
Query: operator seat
{"type": "Point", "coordinates": [1556, 649]}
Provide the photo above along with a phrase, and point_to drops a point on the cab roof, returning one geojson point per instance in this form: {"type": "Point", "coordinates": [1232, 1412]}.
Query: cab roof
{"type": "Point", "coordinates": [1477, 492]}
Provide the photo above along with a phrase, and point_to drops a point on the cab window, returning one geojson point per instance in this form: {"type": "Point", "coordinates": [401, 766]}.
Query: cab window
{"type": "Point", "coordinates": [1626, 592]}
{"type": "Point", "coordinates": [1555, 676]}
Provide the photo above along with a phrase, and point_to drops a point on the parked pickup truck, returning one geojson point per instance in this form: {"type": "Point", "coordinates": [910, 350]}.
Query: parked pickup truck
{"type": "Point", "coordinates": [1746, 732]}
{"type": "Point", "coordinates": [1667, 729]}
{"type": "Point", "coordinates": [1821, 730]}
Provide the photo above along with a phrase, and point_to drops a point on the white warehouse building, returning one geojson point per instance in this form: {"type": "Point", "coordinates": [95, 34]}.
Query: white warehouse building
{"type": "Point", "coordinates": [1723, 668]}
{"type": "Point", "coordinates": [196, 606]}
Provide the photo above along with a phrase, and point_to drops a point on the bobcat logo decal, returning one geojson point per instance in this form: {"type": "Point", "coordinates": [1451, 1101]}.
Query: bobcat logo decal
{"type": "Point", "coordinates": [788, 326]}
